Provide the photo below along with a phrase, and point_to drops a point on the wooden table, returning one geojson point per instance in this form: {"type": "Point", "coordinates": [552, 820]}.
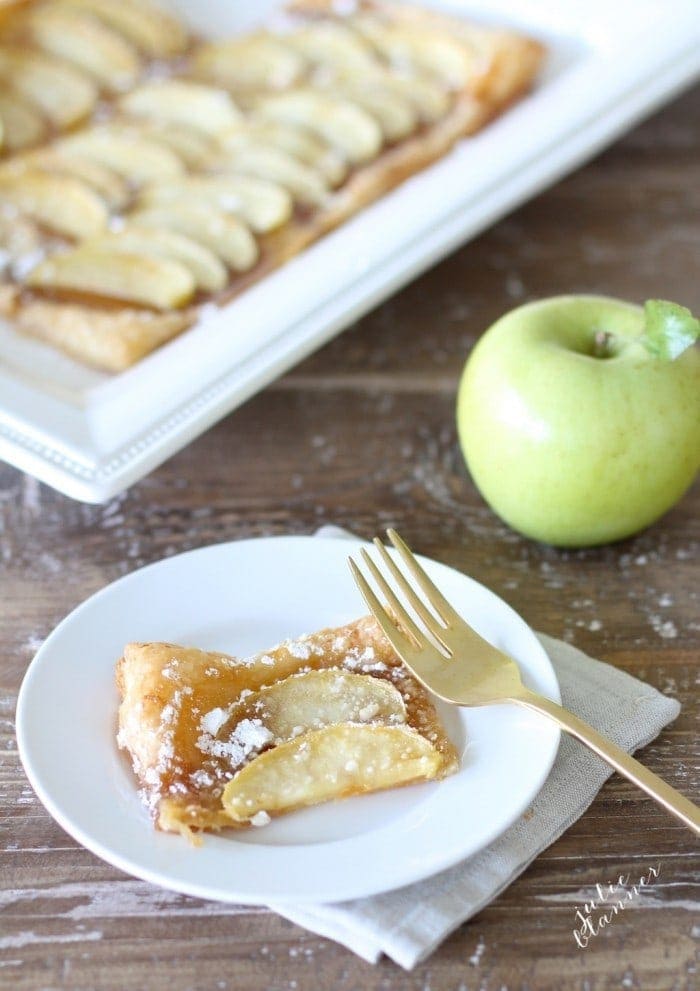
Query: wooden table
{"type": "Point", "coordinates": [362, 435]}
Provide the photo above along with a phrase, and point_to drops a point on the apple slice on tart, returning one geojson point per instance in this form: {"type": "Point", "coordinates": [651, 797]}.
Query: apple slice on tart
{"type": "Point", "coordinates": [63, 94]}
{"type": "Point", "coordinates": [191, 145]}
{"type": "Point", "coordinates": [220, 742]}
{"type": "Point", "coordinates": [152, 30]}
{"type": "Point", "coordinates": [329, 763]}
{"type": "Point", "coordinates": [127, 152]}
{"type": "Point", "coordinates": [261, 204]}
{"type": "Point", "coordinates": [298, 142]}
{"type": "Point", "coordinates": [227, 236]}
{"type": "Point", "coordinates": [248, 64]}
{"type": "Point", "coordinates": [110, 272]}
{"type": "Point", "coordinates": [346, 126]}
{"type": "Point", "coordinates": [314, 699]}
{"type": "Point", "coordinates": [207, 269]}
{"type": "Point", "coordinates": [84, 42]}
{"type": "Point", "coordinates": [175, 101]}
{"type": "Point", "coordinates": [110, 186]}
{"type": "Point", "coordinates": [332, 44]}
{"type": "Point", "coordinates": [61, 203]}
{"type": "Point", "coordinates": [22, 124]}
{"type": "Point", "coordinates": [306, 185]}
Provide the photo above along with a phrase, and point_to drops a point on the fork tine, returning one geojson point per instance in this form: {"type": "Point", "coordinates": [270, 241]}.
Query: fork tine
{"type": "Point", "coordinates": [435, 597]}
{"type": "Point", "coordinates": [405, 620]}
{"type": "Point", "coordinates": [393, 634]}
{"type": "Point", "coordinates": [431, 624]}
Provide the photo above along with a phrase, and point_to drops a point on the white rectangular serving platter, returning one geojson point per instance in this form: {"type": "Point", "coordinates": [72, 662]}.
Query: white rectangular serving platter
{"type": "Point", "coordinates": [91, 435]}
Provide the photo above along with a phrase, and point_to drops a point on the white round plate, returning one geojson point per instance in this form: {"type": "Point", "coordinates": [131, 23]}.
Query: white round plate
{"type": "Point", "coordinates": [240, 598]}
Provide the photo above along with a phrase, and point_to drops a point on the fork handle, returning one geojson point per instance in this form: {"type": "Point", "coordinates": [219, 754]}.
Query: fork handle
{"type": "Point", "coordinates": [670, 799]}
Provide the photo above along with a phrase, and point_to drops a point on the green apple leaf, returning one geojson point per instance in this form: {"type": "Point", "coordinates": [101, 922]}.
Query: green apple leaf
{"type": "Point", "coordinates": [669, 329]}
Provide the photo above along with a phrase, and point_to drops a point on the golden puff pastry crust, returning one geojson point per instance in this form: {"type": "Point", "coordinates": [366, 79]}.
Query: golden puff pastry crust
{"type": "Point", "coordinates": [110, 339]}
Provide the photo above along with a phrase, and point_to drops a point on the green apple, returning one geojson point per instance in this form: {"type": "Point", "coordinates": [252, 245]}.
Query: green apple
{"type": "Point", "coordinates": [579, 416]}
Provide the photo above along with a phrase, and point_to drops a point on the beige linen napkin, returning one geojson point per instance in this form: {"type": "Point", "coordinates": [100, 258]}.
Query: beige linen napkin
{"type": "Point", "coordinates": [408, 924]}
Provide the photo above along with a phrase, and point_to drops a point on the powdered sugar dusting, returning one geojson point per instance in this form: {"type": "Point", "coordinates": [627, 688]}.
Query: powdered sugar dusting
{"type": "Point", "coordinates": [211, 722]}
{"type": "Point", "coordinates": [252, 735]}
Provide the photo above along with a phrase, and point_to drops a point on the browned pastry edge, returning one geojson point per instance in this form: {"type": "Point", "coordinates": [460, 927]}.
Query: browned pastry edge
{"type": "Point", "coordinates": [113, 340]}
{"type": "Point", "coordinates": [110, 339]}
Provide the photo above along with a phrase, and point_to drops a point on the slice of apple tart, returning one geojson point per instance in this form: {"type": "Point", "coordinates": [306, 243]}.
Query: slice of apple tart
{"type": "Point", "coordinates": [219, 742]}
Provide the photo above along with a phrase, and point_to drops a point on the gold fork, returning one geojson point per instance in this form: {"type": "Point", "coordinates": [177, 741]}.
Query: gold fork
{"type": "Point", "coordinates": [456, 664]}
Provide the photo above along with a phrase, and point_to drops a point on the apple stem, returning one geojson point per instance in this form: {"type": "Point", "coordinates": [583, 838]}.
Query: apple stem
{"type": "Point", "coordinates": [602, 344]}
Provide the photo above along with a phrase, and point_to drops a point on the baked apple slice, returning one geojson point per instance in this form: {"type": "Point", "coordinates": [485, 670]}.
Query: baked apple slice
{"type": "Point", "coordinates": [255, 62]}
{"type": "Point", "coordinates": [334, 45]}
{"type": "Point", "coordinates": [299, 142]}
{"type": "Point", "coordinates": [23, 125]}
{"type": "Point", "coordinates": [85, 42]}
{"type": "Point", "coordinates": [21, 238]}
{"type": "Point", "coordinates": [106, 183]}
{"type": "Point", "coordinates": [126, 152]}
{"type": "Point", "coordinates": [177, 101]}
{"type": "Point", "coordinates": [225, 235]}
{"type": "Point", "coordinates": [331, 763]}
{"type": "Point", "coordinates": [395, 114]}
{"type": "Point", "coordinates": [160, 283]}
{"type": "Point", "coordinates": [151, 29]}
{"type": "Point", "coordinates": [192, 146]}
{"type": "Point", "coordinates": [430, 98]}
{"type": "Point", "coordinates": [209, 273]}
{"type": "Point", "coordinates": [449, 59]}
{"type": "Point", "coordinates": [263, 205]}
{"type": "Point", "coordinates": [346, 126]}
{"type": "Point", "coordinates": [314, 699]}
{"type": "Point", "coordinates": [63, 94]}
{"type": "Point", "coordinates": [261, 161]}
{"type": "Point", "coordinates": [60, 203]}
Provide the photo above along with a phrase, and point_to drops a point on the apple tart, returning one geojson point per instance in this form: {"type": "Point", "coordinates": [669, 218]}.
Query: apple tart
{"type": "Point", "coordinates": [153, 173]}
{"type": "Point", "coordinates": [218, 742]}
